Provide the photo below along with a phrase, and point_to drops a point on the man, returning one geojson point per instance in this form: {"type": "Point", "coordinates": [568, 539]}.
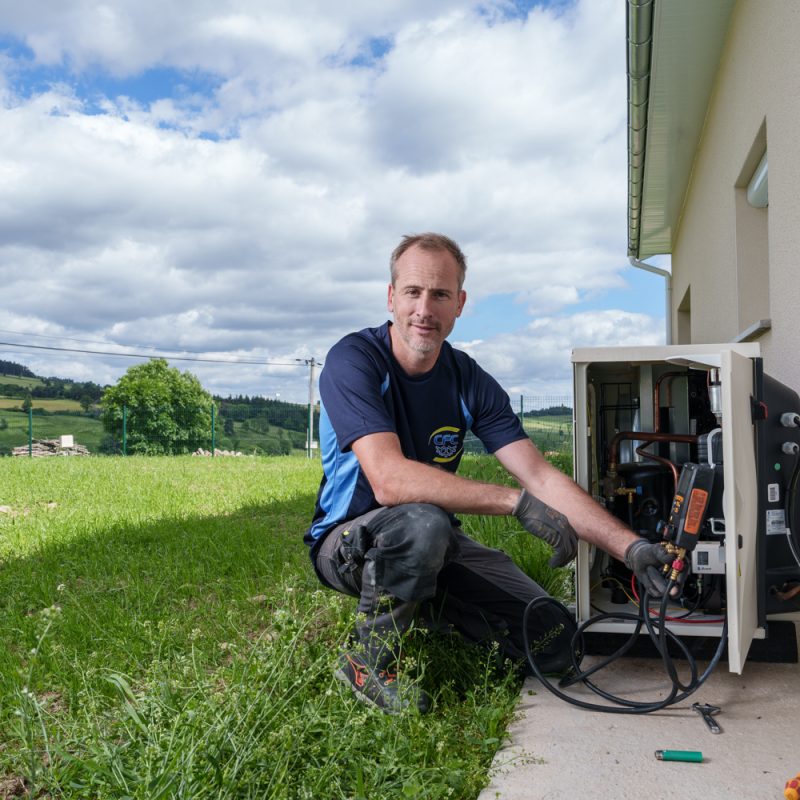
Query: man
{"type": "Point", "coordinates": [396, 403]}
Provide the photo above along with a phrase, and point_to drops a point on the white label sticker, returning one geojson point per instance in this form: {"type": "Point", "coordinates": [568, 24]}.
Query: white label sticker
{"type": "Point", "coordinates": [773, 493]}
{"type": "Point", "coordinates": [776, 522]}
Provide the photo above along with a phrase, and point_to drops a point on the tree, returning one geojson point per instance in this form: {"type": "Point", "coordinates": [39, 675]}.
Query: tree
{"type": "Point", "coordinates": [167, 411]}
{"type": "Point", "coordinates": [86, 403]}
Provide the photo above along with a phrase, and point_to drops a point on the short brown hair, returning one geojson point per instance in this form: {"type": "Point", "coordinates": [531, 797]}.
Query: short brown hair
{"type": "Point", "coordinates": [429, 241]}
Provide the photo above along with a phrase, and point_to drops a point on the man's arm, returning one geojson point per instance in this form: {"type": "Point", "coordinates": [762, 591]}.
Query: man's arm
{"type": "Point", "coordinates": [396, 479]}
{"type": "Point", "coordinates": [589, 519]}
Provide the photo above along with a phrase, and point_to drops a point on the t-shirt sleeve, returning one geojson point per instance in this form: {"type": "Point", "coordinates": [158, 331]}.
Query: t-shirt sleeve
{"type": "Point", "coordinates": [351, 388]}
{"type": "Point", "coordinates": [493, 420]}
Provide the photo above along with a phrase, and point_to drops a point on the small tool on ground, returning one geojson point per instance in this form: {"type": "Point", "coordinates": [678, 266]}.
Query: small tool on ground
{"type": "Point", "coordinates": [707, 711]}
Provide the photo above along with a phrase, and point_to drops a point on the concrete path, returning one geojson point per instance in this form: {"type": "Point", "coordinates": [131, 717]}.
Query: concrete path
{"type": "Point", "coordinates": [560, 752]}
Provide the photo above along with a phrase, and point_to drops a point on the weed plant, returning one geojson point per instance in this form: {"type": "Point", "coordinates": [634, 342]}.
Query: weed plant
{"type": "Point", "coordinates": [165, 637]}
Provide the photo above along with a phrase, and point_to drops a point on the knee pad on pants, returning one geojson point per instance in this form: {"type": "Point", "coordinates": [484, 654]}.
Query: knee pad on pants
{"type": "Point", "coordinates": [411, 544]}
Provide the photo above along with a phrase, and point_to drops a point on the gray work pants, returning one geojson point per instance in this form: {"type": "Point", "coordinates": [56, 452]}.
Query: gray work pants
{"type": "Point", "coordinates": [414, 554]}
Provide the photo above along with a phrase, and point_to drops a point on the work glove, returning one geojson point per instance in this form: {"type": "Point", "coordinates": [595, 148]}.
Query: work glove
{"type": "Point", "coordinates": [646, 561]}
{"type": "Point", "coordinates": [545, 522]}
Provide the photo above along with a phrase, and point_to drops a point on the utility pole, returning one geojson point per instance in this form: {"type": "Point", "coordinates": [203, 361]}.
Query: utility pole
{"type": "Point", "coordinates": [312, 364]}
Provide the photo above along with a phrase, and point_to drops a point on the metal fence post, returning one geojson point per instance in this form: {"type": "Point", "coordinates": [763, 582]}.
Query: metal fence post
{"type": "Point", "coordinates": [30, 432]}
{"type": "Point", "coordinates": [522, 410]}
{"type": "Point", "coordinates": [213, 439]}
{"type": "Point", "coordinates": [125, 430]}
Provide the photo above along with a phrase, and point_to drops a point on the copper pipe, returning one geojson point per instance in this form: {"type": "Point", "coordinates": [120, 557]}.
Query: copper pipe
{"type": "Point", "coordinates": [789, 593]}
{"type": "Point", "coordinates": [643, 436]}
{"type": "Point", "coordinates": [657, 399]}
{"type": "Point", "coordinates": [653, 457]}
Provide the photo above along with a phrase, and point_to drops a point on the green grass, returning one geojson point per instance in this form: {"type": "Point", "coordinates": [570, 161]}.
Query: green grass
{"type": "Point", "coordinates": [165, 637]}
{"type": "Point", "coordinates": [48, 404]}
{"type": "Point", "coordinates": [16, 380]}
{"type": "Point", "coordinates": [506, 534]}
{"type": "Point", "coordinates": [551, 434]}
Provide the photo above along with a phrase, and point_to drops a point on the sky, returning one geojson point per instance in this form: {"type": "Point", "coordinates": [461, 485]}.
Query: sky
{"type": "Point", "coordinates": [226, 180]}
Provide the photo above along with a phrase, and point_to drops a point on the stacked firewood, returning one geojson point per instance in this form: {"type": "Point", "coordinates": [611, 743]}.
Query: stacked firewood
{"type": "Point", "coordinates": [41, 448]}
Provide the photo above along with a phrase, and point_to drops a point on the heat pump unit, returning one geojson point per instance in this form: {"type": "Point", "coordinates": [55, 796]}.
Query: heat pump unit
{"type": "Point", "coordinates": [640, 415]}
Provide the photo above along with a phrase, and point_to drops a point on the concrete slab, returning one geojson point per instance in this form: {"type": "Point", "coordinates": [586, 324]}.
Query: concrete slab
{"type": "Point", "coordinates": [558, 751]}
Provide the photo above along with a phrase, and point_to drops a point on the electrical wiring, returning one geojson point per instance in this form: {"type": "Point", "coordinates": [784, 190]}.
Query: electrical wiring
{"type": "Point", "coordinates": [633, 599]}
{"type": "Point", "coordinates": [154, 354]}
{"type": "Point", "coordinates": [684, 618]}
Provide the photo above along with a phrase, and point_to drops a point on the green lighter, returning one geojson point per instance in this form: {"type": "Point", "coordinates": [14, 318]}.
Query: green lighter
{"type": "Point", "coordinates": [679, 755]}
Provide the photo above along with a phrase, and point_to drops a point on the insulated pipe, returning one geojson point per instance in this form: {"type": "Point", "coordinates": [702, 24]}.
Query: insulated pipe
{"type": "Point", "coordinates": [667, 276]}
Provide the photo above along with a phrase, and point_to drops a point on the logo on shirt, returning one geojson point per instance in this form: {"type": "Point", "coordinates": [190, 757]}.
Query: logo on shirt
{"type": "Point", "coordinates": [445, 443]}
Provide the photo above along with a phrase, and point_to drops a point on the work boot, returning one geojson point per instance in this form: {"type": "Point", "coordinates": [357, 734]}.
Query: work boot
{"type": "Point", "coordinates": [377, 685]}
{"type": "Point", "coordinates": [370, 665]}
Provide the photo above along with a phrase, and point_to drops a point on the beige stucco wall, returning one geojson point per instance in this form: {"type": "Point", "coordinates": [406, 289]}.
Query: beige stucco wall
{"type": "Point", "coordinates": [723, 249]}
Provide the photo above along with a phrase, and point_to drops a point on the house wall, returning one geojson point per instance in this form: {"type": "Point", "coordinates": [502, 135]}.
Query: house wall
{"type": "Point", "coordinates": [733, 264]}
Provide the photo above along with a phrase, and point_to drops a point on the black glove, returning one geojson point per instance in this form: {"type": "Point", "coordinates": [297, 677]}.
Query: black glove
{"type": "Point", "coordinates": [646, 560]}
{"type": "Point", "coordinates": [545, 522]}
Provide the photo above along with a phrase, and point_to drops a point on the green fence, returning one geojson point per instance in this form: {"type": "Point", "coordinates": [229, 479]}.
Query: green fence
{"type": "Point", "coordinates": [546, 419]}
{"type": "Point", "coordinates": [267, 427]}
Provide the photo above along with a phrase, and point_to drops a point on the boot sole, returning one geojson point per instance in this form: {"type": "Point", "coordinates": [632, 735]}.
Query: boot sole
{"type": "Point", "coordinates": [340, 675]}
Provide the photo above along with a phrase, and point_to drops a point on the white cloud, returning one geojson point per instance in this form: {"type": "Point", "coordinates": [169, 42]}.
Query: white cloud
{"type": "Point", "coordinates": [272, 236]}
{"type": "Point", "coordinates": [536, 360]}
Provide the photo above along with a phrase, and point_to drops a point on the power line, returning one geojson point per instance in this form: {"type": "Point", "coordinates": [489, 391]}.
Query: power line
{"type": "Point", "coordinates": [297, 362]}
{"type": "Point", "coordinates": [28, 334]}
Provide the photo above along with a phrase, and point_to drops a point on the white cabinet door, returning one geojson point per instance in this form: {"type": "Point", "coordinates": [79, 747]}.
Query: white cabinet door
{"type": "Point", "coordinates": [740, 505]}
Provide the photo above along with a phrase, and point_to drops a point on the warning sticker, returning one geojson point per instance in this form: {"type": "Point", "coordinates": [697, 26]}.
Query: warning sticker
{"type": "Point", "coordinates": [776, 522]}
{"type": "Point", "coordinates": [773, 493]}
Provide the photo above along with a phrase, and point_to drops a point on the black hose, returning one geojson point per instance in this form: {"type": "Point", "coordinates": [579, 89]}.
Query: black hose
{"type": "Point", "coordinates": [659, 634]}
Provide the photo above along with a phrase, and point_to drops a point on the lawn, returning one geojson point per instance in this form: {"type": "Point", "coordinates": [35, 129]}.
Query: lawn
{"type": "Point", "coordinates": [15, 380]}
{"type": "Point", "coordinates": [164, 637]}
{"type": "Point", "coordinates": [48, 404]}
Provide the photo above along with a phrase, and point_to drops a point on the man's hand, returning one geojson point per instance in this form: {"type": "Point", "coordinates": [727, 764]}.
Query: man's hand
{"type": "Point", "coordinates": [646, 560]}
{"type": "Point", "coordinates": [545, 522]}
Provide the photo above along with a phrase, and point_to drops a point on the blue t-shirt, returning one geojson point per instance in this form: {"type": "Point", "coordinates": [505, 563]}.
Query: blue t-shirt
{"type": "Point", "coordinates": [363, 390]}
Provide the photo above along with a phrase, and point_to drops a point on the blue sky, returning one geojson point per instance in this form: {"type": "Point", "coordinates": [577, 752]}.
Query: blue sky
{"type": "Point", "coordinates": [228, 179]}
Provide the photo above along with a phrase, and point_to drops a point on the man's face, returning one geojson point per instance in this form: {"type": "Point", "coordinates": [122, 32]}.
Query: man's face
{"type": "Point", "coordinates": [425, 300]}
